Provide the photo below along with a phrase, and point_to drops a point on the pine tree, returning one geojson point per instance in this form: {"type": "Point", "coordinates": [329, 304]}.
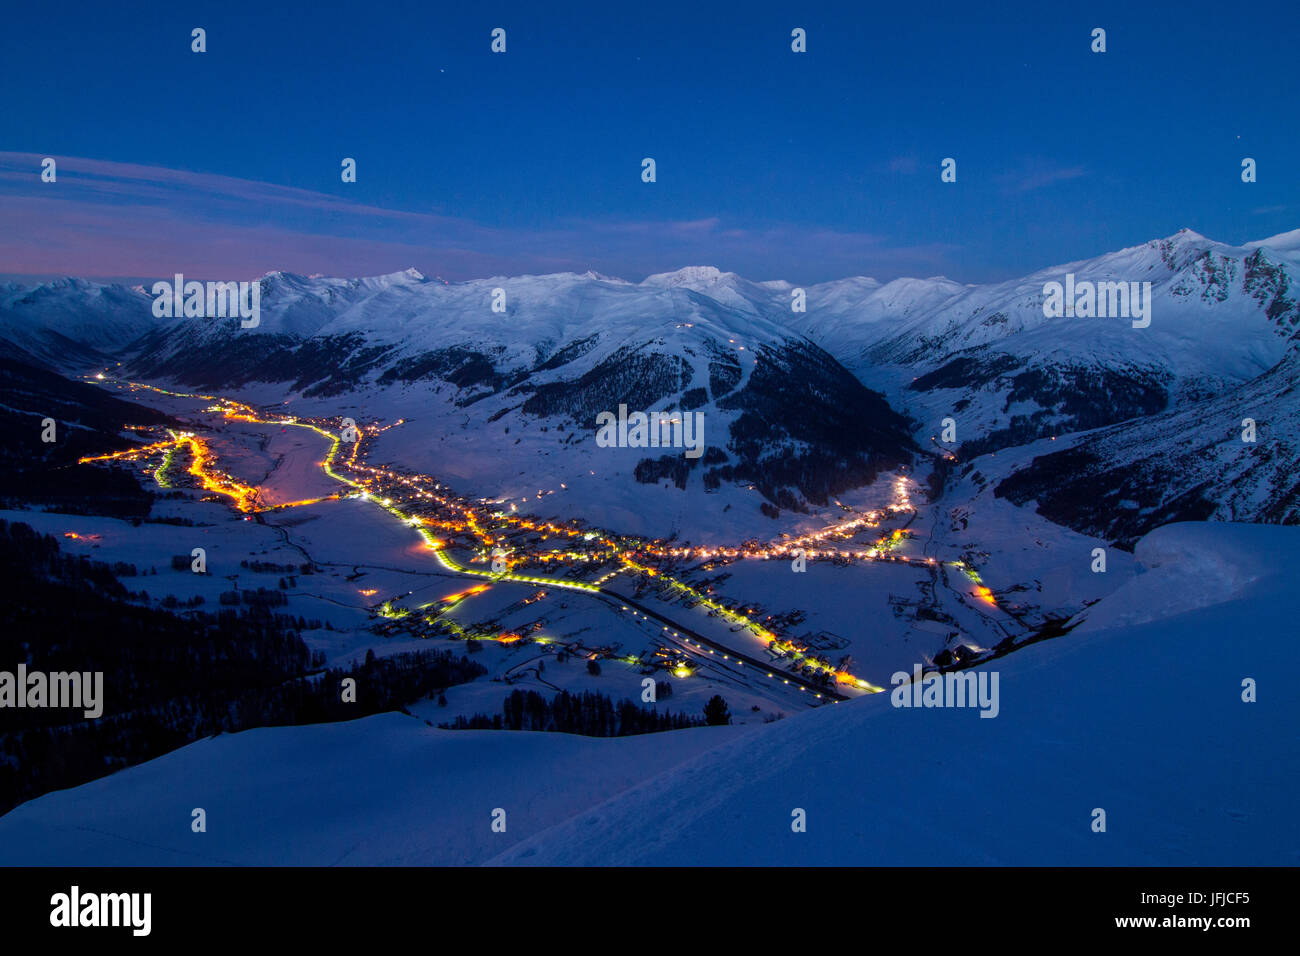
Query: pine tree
{"type": "Point", "coordinates": [716, 713]}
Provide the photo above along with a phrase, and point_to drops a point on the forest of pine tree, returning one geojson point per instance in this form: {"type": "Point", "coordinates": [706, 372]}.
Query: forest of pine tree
{"type": "Point", "coordinates": [588, 713]}
{"type": "Point", "coordinates": [168, 679]}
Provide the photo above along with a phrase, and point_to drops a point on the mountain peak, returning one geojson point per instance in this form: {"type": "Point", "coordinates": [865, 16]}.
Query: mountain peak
{"type": "Point", "coordinates": [685, 275]}
{"type": "Point", "coordinates": [278, 277]}
{"type": "Point", "coordinates": [1285, 245]}
{"type": "Point", "coordinates": [405, 277]}
{"type": "Point", "coordinates": [600, 276]}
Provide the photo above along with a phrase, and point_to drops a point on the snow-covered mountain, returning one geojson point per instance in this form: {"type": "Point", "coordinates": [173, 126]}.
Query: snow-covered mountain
{"type": "Point", "coordinates": [508, 400]}
{"type": "Point", "coordinates": [1190, 462]}
{"type": "Point", "coordinates": [1169, 399]}
{"type": "Point", "coordinates": [1162, 407]}
{"type": "Point", "coordinates": [71, 323]}
{"type": "Point", "coordinates": [800, 405]}
{"type": "Point", "coordinates": [989, 357]}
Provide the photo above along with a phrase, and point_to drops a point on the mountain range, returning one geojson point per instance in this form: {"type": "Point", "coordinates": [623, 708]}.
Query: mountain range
{"type": "Point", "coordinates": [1122, 428]}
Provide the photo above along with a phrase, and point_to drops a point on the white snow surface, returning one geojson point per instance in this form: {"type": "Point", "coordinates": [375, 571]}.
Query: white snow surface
{"type": "Point", "coordinates": [382, 790]}
{"type": "Point", "coordinates": [1141, 716]}
{"type": "Point", "coordinates": [1146, 722]}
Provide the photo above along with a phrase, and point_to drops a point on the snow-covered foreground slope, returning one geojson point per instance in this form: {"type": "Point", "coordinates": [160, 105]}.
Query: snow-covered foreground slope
{"type": "Point", "coordinates": [383, 790]}
{"type": "Point", "coordinates": [1145, 722]}
{"type": "Point", "coordinates": [1138, 712]}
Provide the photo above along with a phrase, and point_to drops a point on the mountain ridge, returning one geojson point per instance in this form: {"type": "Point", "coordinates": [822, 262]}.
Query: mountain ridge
{"type": "Point", "coordinates": [490, 363]}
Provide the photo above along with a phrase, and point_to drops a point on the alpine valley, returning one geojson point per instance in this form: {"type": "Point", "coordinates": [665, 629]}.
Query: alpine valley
{"type": "Point", "coordinates": [398, 480]}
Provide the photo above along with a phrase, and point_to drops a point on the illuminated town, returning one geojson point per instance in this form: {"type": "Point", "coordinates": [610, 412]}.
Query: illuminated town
{"type": "Point", "coordinates": [478, 539]}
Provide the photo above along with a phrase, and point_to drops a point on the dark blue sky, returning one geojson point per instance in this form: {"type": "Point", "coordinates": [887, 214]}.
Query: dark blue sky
{"type": "Point", "coordinates": [772, 164]}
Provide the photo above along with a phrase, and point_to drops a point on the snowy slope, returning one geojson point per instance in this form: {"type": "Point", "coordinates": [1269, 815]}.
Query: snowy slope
{"type": "Point", "coordinates": [383, 790]}
{"type": "Point", "coordinates": [1190, 462]}
{"type": "Point", "coordinates": [1285, 245]}
{"type": "Point", "coordinates": [1138, 712]}
{"type": "Point", "coordinates": [1144, 721]}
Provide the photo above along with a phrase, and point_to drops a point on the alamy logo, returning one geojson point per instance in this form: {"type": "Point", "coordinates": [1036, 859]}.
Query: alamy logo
{"type": "Point", "coordinates": [953, 689]}
{"type": "Point", "coordinates": [209, 300]}
{"type": "Point", "coordinates": [1102, 300]}
{"type": "Point", "coordinates": [84, 691]}
{"type": "Point", "coordinates": [653, 430]}
{"type": "Point", "coordinates": [103, 909]}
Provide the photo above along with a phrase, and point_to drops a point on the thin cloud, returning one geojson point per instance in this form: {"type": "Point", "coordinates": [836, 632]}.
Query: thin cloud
{"type": "Point", "coordinates": [1038, 175]}
{"type": "Point", "coordinates": [107, 219]}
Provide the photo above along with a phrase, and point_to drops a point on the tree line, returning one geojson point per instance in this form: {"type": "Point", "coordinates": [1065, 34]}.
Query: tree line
{"type": "Point", "coordinates": [168, 679]}
{"type": "Point", "coordinates": [589, 713]}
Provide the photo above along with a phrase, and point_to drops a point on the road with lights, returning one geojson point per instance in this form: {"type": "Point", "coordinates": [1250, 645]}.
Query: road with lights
{"type": "Point", "coordinates": [505, 546]}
